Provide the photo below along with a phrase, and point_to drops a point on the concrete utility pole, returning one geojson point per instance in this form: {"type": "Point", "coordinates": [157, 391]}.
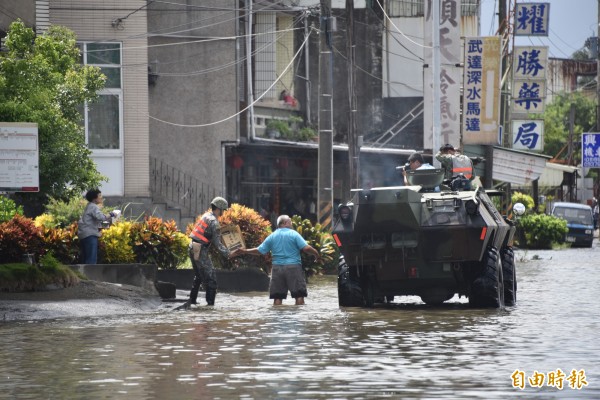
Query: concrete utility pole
{"type": "Point", "coordinates": [353, 149]}
{"type": "Point", "coordinates": [435, 70]}
{"type": "Point", "coordinates": [325, 106]}
{"type": "Point", "coordinates": [598, 71]}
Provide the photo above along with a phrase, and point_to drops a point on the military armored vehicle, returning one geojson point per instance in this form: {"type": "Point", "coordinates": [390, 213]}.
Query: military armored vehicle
{"type": "Point", "coordinates": [432, 239]}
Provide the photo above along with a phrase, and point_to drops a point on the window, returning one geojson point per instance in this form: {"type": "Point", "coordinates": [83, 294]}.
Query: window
{"type": "Point", "coordinates": [102, 118]}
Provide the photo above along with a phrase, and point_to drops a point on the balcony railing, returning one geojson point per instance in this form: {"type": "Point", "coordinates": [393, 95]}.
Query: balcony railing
{"type": "Point", "coordinates": [175, 186]}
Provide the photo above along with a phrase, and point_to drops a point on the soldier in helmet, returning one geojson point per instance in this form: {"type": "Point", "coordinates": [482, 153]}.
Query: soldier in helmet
{"type": "Point", "coordinates": [454, 163]}
{"type": "Point", "coordinates": [206, 233]}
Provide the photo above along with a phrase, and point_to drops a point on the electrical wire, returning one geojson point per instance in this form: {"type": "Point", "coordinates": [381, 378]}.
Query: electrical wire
{"type": "Point", "coordinates": [399, 31]}
{"type": "Point", "coordinates": [247, 107]}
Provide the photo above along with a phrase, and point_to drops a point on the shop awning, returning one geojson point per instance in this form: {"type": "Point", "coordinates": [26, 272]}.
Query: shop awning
{"type": "Point", "coordinates": [517, 167]}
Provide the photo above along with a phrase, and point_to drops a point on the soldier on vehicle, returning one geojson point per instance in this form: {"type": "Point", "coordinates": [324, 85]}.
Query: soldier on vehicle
{"type": "Point", "coordinates": [206, 232]}
{"type": "Point", "coordinates": [416, 161]}
{"type": "Point", "coordinates": [454, 163]}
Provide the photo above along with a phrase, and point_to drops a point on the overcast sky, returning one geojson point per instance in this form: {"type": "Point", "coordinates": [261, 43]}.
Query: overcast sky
{"type": "Point", "coordinates": [571, 23]}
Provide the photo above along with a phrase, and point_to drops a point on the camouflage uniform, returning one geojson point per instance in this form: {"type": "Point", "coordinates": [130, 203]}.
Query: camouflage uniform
{"type": "Point", "coordinates": [201, 262]}
{"type": "Point", "coordinates": [446, 161]}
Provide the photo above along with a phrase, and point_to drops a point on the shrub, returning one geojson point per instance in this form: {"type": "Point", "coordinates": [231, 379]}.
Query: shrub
{"type": "Point", "coordinates": [115, 244]}
{"type": "Point", "coordinates": [321, 240]}
{"type": "Point", "coordinates": [527, 200]}
{"type": "Point", "coordinates": [541, 231]}
{"type": "Point", "coordinates": [45, 221]}
{"type": "Point", "coordinates": [8, 209]}
{"type": "Point", "coordinates": [63, 243]}
{"type": "Point", "coordinates": [19, 236]}
{"type": "Point", "coordinates": [158, 242]}
{"type": "Point", "coordinates": [66, 212]}
{"type": "Point", "coordinates": [24, 277]}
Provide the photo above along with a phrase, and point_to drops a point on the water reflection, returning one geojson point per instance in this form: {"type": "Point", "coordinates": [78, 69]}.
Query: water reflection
{"type": "Point", "coordinates": [246, 348]}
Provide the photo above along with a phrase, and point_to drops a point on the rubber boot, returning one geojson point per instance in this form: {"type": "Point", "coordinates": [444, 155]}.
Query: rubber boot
{"type": "Point", "coordinates": [210, 296]}
{"type": "Point", "coordinates": [194, 292]}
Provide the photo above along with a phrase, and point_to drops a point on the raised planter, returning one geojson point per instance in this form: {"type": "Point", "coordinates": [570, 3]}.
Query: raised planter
{"type": "Point", "coordinates": [229, 281]}
{"type": "Point", "coordinates": [142, 275]}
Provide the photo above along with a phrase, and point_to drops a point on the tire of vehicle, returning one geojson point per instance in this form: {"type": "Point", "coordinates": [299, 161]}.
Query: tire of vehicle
{"type": "Point", "coordinates": [349, 291]}
{"type": "Point", "coordinates": [487, 290]}
{"type": "Point", "coordinates": [509, 273]}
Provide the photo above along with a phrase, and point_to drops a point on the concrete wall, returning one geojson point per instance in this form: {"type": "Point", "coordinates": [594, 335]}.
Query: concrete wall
{"type": "Point", "coordinates": [142, 275]}
{"type": "Point", "coordinates": [13, 9]}
{"type": "Point", "coordinates": [195, 85]}
{"type": "Point", "coordinates": [240, 280]}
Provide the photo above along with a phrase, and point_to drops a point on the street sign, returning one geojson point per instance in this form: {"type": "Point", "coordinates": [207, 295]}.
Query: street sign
{"type": "Point", "coordinates": [19, 157]}
{"type": "Point", "coordinates": [590, 150]}
{"type": "Point", "coordinates": [528, 135]}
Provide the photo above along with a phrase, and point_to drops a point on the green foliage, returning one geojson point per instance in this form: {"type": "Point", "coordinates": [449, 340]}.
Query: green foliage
{"type": "Point", "coordinates": [255, 230]}
{"type": "Point", "coordinates": [19, 236]}
{"type": "Point", "coordinates": [8, 209]}
{"type": "Point", "coordinates": [42, 81]}
{"type": "Point", "coordinates": [541, 231]}
{"type": "Point", "coordinates": [525, 199]}
{"type": "Point", "coordinates": [556, 120]}
{"type": "Point", "coordinates": [158, 242]}
{"type": "Point", "coordinates": [281, 126]}
{"type": "Point", "coordinates": [17, 277]}
{"type": "Point", "coordinates": [293, 132]}
{"type": "Point", "coordinates": [321, 240]}
{"type": "Point", "coordinates": [65, 212]}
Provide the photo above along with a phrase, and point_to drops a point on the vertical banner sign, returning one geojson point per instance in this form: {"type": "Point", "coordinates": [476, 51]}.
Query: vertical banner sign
{"type": "Point", "coordinates": [528, 135]}
{"type": "Point", "coordinates": [532, 19]}
{"type": "Point", "coordinates": [481, 95]}
{"type": "Point", "coordinates": [449, 32]}
{"type": "Point", "coordinates": [590, 150]}
{"type": "Point", "coordinates": [529, 74]}
{"type": "Point", "coordinates": [19, 157]}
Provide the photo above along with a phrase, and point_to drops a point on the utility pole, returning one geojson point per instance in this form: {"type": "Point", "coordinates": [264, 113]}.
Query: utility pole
{"type": "Point", "coordinates": [325, 107]}
{"type": "Point", "coordinates": [353, 150]}
{"type": "Point", "coordinates": [598, 71]}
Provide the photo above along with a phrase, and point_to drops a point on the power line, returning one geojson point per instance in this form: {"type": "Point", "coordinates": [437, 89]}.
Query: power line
{"type": "Point", "coordinates": [247, 107]}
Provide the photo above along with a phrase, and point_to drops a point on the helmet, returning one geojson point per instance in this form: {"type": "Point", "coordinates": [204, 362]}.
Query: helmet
{"type": "Point", "coordinates": [220, 202]}
{"type": "Point", "coordinates": [447, 146]}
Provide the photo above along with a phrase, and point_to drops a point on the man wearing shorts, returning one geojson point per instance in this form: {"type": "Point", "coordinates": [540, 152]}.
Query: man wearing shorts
{"type": "Point", "coordinates": [285, 245]}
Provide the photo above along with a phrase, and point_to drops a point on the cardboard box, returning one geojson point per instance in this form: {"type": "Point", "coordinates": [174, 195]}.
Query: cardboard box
{"type": "Point", "coordinates": [231, 236]}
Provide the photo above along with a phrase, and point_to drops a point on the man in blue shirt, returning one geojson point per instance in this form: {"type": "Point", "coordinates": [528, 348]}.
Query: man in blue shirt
{"type": "Point", "coordinates": [285, 245]}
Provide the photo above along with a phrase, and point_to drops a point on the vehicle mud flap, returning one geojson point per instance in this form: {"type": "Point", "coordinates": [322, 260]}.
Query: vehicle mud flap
{"type": "Point", "coordinates": [509, 273]}
{"type": "Point", "coordinates": [487, 289]}
{"type": "Point", "coordinates": [349, 291]}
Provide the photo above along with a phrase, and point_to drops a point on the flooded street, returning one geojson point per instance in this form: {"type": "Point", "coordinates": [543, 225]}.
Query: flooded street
{"type": "Point", "coordinates": [246, 348]}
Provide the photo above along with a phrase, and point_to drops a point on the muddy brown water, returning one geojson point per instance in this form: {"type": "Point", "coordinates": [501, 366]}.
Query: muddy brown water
{"type": "Point", "coordinates": [244, 348]}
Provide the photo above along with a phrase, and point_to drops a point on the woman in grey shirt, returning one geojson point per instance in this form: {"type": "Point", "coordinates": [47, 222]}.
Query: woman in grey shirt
{"type": "Point", "coordinates": [89, 227]}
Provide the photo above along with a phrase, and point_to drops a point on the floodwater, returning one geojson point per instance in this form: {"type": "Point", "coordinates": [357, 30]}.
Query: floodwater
{"type": "Point", "coordinates": [244, 348]}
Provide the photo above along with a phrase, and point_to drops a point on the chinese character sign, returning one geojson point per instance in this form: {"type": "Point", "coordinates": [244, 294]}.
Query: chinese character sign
{"type": "Point", "coordinates": [529, 62]}
{"type": "Point", "coordinates": [531, 19]}
{"type": "Point", "coordinates": [481, 96]}
{"type": "Point", "coordinates": [529, 96]}
{"type": "Point", "coordinates": [528, 135]}
{"type": "Point", "coordinates": [450, 45]}
{"type": "Point", "coordinates": [590, 149]}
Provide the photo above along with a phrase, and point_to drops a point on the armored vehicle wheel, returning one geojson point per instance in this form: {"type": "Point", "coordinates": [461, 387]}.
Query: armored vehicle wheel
{"type": "Point", "coordinates": [509, 274]}
{"type": "Point", "coordinates": [349, 291]}
{"type": "Point", "coordinates": [487, 289]}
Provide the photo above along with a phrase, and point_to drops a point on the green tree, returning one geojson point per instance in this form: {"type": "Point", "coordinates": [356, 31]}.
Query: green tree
{"type": "Point", "coordinates": [556, 122]}
{"type": "Point", "coordinates": [43, 81]}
